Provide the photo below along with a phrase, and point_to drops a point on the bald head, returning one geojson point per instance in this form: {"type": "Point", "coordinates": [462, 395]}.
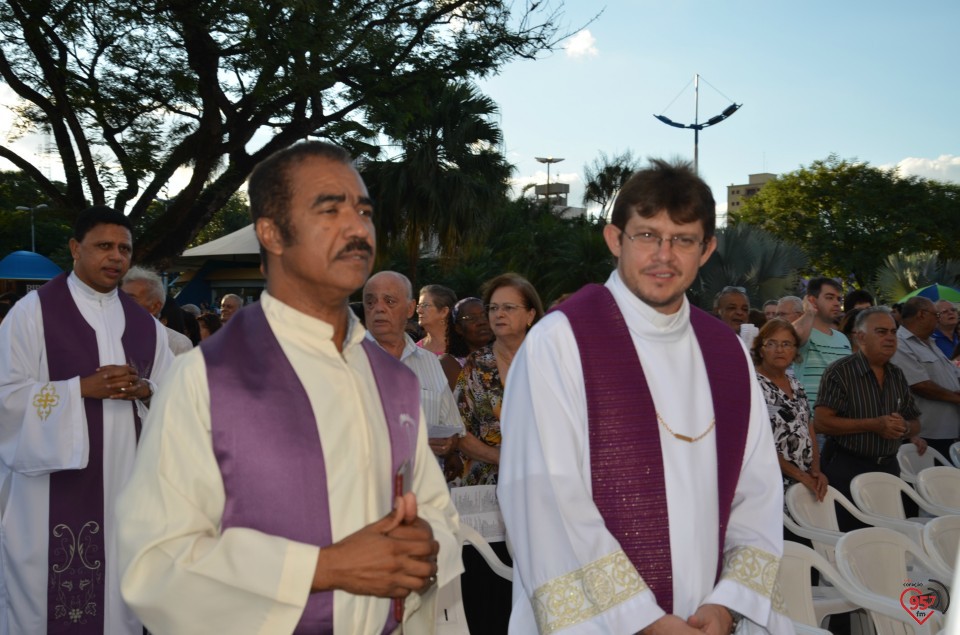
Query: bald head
{"type": "Point", "coordinates": [919, 316]}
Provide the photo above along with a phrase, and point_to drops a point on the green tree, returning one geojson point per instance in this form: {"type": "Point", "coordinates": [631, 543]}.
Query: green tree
{"type": "Point", "coordinates": [132, 92]}
{"type": "Point", "coordinates": [448, 174]}
{"type": "Point", "coordinates": [605, 176]}
{"type": "Point", "coordinates": [52, 226]}
{"type": "Point", "coordinates": [767, 267]}
{"type": "Point", "coordinates": [848, 216]}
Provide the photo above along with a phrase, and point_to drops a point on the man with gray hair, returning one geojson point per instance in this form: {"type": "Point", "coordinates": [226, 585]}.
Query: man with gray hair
{"type": "Point", "coordinates": [388, 303]}
{"type": "Point", "coordinates": [229, 304]}
{"type": "Point", "coordinates": [865, 408]}
{"type": "Point", "coordinates": [146, 288]}
{"type": "Point", "coordinates": [932, 378]}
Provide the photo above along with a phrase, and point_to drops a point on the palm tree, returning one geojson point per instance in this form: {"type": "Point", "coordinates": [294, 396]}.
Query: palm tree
{"type": "Point", "coordinates": [903, 273]}
{"type": "Point", "coordinates": [604, 177]}
{"type": "Point", "coordinates": [752, 258]}
{"type": "Point", "coordinates": [448, 174]}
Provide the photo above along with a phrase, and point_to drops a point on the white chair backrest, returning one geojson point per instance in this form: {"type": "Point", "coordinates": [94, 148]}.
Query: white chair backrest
{"type": "Point", "coordinates": [955, 454]}
{"type": "Point", "coordinates": [941, 485]}
{"type": "Point", "coordinates": [941, 539]}
{"type": "Point", "coordinates": [887, 615]}
{"type": "Point", "coordinates": [806, 510]}
{"type": "Point", "coordinates": [911, 463]}
{"type": "Point", "coordinates": [879, 560]}
{"type": "Point", "coordinates": [879, 494]}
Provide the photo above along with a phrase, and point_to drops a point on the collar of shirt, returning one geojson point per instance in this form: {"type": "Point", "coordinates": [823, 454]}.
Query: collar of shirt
{"type": "Point", "coordinates": [89, 294]}
{"type": "Point", "coordinates": [306, 330]}
{"type": "Point", "coordinates": [643, 318]}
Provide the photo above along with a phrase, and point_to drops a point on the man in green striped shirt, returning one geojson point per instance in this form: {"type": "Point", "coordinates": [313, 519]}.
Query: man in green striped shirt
{"type": "Point", "coordinates": [821, 344]}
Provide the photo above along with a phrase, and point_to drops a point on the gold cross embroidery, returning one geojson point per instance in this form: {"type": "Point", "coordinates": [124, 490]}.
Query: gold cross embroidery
{"type": "Point", "coordinates": [46, 400]}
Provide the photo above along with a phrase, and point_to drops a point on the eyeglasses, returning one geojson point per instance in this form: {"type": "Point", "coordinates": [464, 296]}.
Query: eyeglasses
{"type": "Point", "coordinates": [934, 313]}
{"type": "Point", "coordinates": [772, 344]}
{"type": "Point", "coordinates": [507, 307]}
{"type": "Point", "coordinates": [783, 314]}
{"type": "Point", "coordinates": [648, 241]}
{"type": "Point", "coordinates": [424, 305]}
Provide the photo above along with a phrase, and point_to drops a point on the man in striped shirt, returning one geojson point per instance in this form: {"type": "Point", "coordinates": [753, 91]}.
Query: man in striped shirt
{"type": "Point", "coordinates": [865, 408]}
{"type": "Point", "coordinates": [820, 343]}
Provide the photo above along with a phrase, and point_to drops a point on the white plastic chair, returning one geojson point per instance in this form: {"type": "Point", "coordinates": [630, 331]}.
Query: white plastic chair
{"type": "Point", "coordinates": [824, 540]}
{"type": "Point", "coordinates": [877, 561]}
{"type": "Point", "coordinates": [878, 493]}
{"type": "Point", "coordinates": [809, 605]}
{"type": "Point", "coordinates": [451, 619]}
{"type": "Point", "coordinates": [941, 540]}
{"type": "Point", "coordinates": [941, 486]}
{"type": "Point", "coordinates": [911, 463]}
{"type": "Point", "coordinates": [809, 512]}
{"type": "Point", "coordinates": [955, 454]}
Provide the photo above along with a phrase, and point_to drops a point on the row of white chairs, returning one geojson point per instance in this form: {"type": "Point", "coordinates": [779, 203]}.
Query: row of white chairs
{"type": "Point", "coordinates": [866, 569]}
{"type": "Point", "coordinates": [912, 462]}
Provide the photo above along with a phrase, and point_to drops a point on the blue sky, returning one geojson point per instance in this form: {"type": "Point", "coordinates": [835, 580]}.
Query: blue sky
{"type": "Point", "coordinates": [875, 81]}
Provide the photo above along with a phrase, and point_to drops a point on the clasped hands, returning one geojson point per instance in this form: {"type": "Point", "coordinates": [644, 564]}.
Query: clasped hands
{"type": "Point", "coordinates": [712, 619]}
{"type": "Point", "coordinates": [115, 382]}
{"type": "Point", "coordinates": [388, 558]}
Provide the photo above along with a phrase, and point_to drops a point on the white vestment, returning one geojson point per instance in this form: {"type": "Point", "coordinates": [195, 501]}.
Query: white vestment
{"type": "Point", "coordinates": [571, 575]}
{"type": "Point", "coordinates": [182, 575]}
{"type": "Point", "coordinates": [43, 429]}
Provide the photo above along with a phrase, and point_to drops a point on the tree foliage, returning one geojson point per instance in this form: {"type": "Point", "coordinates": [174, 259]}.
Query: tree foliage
{"type": "Point", "coordinates": [767, 267]}
{"type": "Point", "coordinates": [52, 226]}
{"type": "Point", "coordinates": [605, 176]}
{"type": "Point", "coordinates": [132, 92]}
{"type": "Point", "coordinates": [849, 216]}
{"type": "Point", "coordinates": [448, 173]}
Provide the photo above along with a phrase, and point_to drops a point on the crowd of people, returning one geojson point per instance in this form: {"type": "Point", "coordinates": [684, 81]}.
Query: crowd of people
{"type": "Point", "coordinates": [296, 458]}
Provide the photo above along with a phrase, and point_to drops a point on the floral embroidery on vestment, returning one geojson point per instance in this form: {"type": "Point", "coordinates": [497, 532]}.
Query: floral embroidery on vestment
{"type": "Point", "coordinates": [585, 593]}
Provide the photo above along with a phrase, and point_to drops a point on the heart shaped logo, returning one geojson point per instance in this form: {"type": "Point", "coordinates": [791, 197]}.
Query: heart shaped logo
{"type": "Point", "coordinates": [918, 604]}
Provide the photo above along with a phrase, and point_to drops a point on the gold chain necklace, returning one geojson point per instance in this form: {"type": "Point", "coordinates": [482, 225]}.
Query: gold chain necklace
{"type": "Point", "coordinates": [684, 437]}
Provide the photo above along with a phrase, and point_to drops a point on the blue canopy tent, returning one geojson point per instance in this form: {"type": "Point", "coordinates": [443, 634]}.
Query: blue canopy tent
{"type": "Point", "coordinates": [27, 265]}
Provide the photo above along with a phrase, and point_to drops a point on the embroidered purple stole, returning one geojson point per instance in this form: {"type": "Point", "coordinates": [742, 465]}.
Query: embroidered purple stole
{"type": "Point", "coordinates": [76, 557]}
{"type": "Point", "coordinates": [268, 447]}
{"type": "Point", "coordinates": [625, 453]}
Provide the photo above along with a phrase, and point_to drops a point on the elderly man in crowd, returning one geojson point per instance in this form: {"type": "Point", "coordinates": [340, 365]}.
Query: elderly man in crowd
{"type": "Point", "coordinates": [945, 336]}
{"type": "Point", "coordinates": [285, 483]}
{"type": "Point", "coordinates": [388, 303]}
{"type": "Point", "coordinates": [732, 306]}
{"type": "Point", "coordinates": [865, 408]}
{"type": "Point", "coordinates": [932, 377]}
{"type": "Point", "coordinates": [229, 304]}
{"type": "Point", "coordinates": [146, 288]}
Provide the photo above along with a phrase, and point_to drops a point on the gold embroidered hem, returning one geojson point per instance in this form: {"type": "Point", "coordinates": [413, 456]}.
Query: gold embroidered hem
{"type": "Point", "coordinates": [755, 569]}
{"type": "Point", "coordinates": [585, 593]}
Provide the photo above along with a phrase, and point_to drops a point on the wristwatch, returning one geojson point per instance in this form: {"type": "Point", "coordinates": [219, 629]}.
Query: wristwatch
{"type": "Point", "coordinates": [737, 617]}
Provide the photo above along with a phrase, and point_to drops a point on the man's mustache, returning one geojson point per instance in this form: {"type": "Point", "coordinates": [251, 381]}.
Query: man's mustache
{"type": "Point", "coordinates": [356, 245]}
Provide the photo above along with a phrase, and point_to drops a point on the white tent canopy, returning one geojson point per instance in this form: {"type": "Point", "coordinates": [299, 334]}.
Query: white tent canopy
{"type": "Point", "coordinates": [243, 241]}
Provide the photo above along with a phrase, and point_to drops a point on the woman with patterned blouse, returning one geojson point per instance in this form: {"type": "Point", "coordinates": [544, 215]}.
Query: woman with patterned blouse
{"type": "Point", "coordinates": [513, 306]}
{"type": "Point", "coordinates": [773, 351]}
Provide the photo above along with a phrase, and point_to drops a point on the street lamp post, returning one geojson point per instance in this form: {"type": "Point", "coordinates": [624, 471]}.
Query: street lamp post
{"type": "Point", "coordinates": [33, 240]}
{"type": "Point", "coordinates": [696, 126]}
{"type": "Point", "coordinates": [549, 161]}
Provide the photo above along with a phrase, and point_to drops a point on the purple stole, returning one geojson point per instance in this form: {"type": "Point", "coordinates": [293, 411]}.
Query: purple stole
{"type": "Point", "coordinates": [75, 589]}
{"type": "Point", "coordinates": [625, 454]}
{"type": "Point", "coordinates": [268, 447]}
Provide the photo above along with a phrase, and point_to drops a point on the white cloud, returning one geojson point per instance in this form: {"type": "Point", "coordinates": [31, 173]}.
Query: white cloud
{"type": "Point", "coordinates": [583, 44]}
{"type": "Point", "coordinates": [946, 167]}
